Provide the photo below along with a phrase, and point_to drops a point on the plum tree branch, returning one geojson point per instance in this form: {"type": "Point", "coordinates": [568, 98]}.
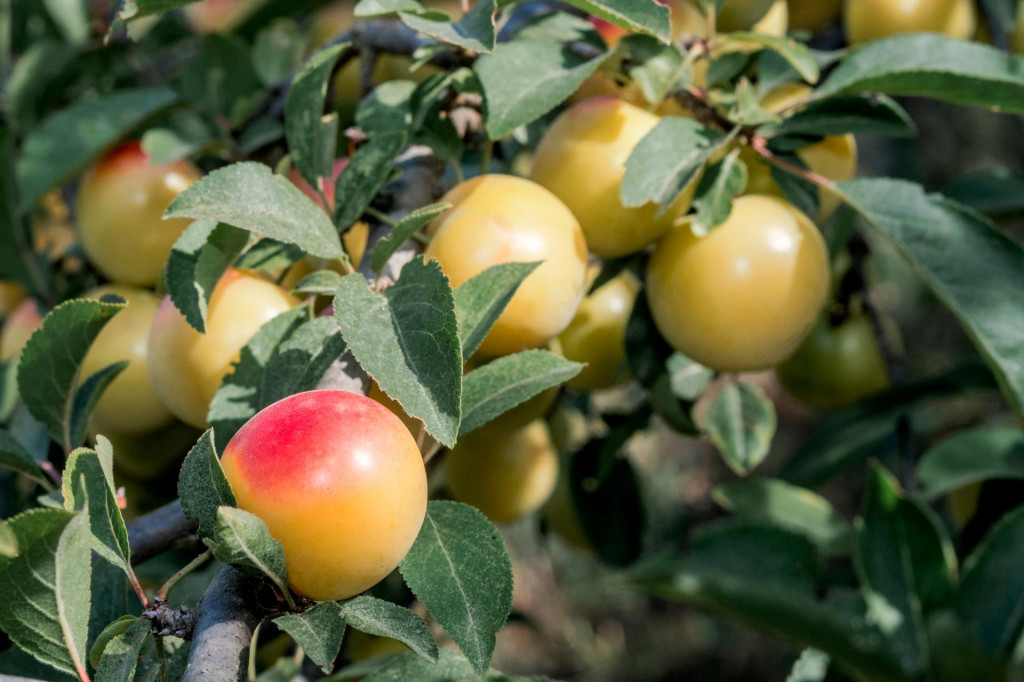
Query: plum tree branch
{"type": "Point", "coordinates": [159, 530]}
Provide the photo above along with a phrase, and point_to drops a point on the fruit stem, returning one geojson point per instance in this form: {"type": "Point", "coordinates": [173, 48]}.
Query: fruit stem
{"type": "Point", "coordinates": [188, 568]}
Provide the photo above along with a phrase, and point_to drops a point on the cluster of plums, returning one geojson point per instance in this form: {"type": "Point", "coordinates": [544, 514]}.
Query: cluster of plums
{"type": "Point", "coordinates": [745, 297]}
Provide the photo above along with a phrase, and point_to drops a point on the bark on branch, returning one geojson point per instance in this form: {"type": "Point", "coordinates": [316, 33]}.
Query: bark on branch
{"type": "Point", "coordinates": [159, 531]}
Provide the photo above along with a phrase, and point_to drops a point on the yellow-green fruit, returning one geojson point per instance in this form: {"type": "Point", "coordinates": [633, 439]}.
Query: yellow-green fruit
{"type": "Point", "coordinates": [597, 334]}
{"type": "Point", "coordinates": [151, 455]}
{"type": "Point", "coordinates": [23, 321]}
{"type": "Point", "coordinates": [867, 20]}
{"type": "Point", "coordinates": [187, 367]}
{"type": "Point", "coordinates": [130, 404]}
{"type": "Point", "coordinates": [120, 208]}
{"type": "Point", "coordinates": [743, 297]}
{"type": "Point", "coordinates": [11, 294]}
{"type": "Point", "coordinates": [505, 474]}
{"type": "Point", "coordinates": [498, 219]}
{"type": "Point", "coordinates": [751, 15]}
{"type": "Point", "coordinates": [835, 366]}
{"type": "Point", "coordinates": [582, 159]}
{"type": "Point", "coordinates": [560, 513]}
{"type": "Point", "coordinates": [813, 15]}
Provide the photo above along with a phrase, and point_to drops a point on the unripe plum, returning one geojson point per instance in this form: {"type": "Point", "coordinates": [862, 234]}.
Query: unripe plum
{"type": "Point", "coordinates": [867, 20]}
{"type": "Point", "coordinates": [597, 333]}
{"type": "Point", "coordinates": [504, 219]}
{"type": "Point", "coordinates": [582, 159]}
{"type": "Point", "coordinates": [743, 297]}
{"type": "Point", "coordinates": [339, 482]}
{"type": "Point", "coordinates": [187, 367]}
{"type": "Point", "coordinates": [505, 474]}
{"type": "Point", "coordinates": [813, 15]}
{"type": "Point", "coordinates": [17, 328]}
{"type": "Point", "coordinates": [120, 208]}
{"type": "Point", "coordinates": [218, 16]}
{"type": "Point", "coordinates": [130, 404]}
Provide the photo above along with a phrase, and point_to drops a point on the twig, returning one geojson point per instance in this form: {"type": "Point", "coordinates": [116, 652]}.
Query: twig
{"type": "Point", "coordinates": [159, 531]}
{"type": "Point", "coordinates": [188, 568]}
{"type": "Point", "coordinates": [759, 145]}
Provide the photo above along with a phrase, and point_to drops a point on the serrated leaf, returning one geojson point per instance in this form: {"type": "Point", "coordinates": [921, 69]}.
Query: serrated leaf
{"type": "Point", "coordinates": [50, 361]}
{"type": "Point", "coordinates": [311, 142]}
{"type": "Point", "coordinates": [320, 283]}
{"type": "Point", "coordinates": [971, 456]}
{"type": "Point", "coordinates": [14, 456]}
{"type": "Point", "coordinates": [480, 300]}
{"type": "Point", "coordinates": [69, 140]}
{"type": "Point", "coordinates": [511, 380]}
{"type": "Point", "coordinates": [202, 486]}
{"type": "Point", "coordinates": [659, 69]}
{"type": "Point", "coordinates": [715, 192]}
{"type": "Point", "coordinates": [318, 630]}
{"type": "Point", "coordinates": [365, 174]}
{"type": "Point", "coordinates": [666, 161]}
{"type": "Point", "coordinates": [198, 259]}
{"type": "Point", "coordinates": [87, 395]}
{"type": "Point", "coordinates": [44, 586]}
{"type": "Point", "coordinates": [474, 31]}
{"type": "Point", "coordinates": [406, 228]}
{"type": "Point", "coordinates": [787, 506]}
{"type": "Point", "coordinates": [86, 488]}
{"type": "Point", "coordinates": [388, 108]}
{"type": "Point", "coordinates": [407, 339]}
{"type": "Point", "coordinates": [796, 53]}
{"type": "Point", "coordinates": [288, 355]}
{"type": "Point", "coordinates": [643, 17]}
{"type": "Point", "coordinates": [269, 254]}
{"type": "Point", "coordinates": [981, 287]}
{"type": "Point", "coordinates": [991, 594]}
{"type": "Point", "coordinates": [525, 79]}
{"type": "Point", "coordinates": [384, 619]}
{"type": "Point", "coordinates": [858, 114]}
{"type": "Point", "coordinates": [459, 568]}
{"type": "Point", "coordinates": [903, 555]}
{"type": "Point", "coordinates": [121, 654]}
{"type": "Point", "coordinates": [249, 196]}
{"type": "Point", "coordinates": [931, 65]}
{"type": "Point", "coordinates": [106, 635]}
{"type": "Point", "coordinates": [241, 539]}
{"type": "Point", "coordinates": [741, 423]}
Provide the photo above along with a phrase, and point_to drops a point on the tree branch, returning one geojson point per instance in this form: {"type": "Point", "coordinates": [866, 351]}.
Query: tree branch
{"type": "Point", "coordinates": [228, 616]}
{"type": "Point", "coordinates": [159, 531]}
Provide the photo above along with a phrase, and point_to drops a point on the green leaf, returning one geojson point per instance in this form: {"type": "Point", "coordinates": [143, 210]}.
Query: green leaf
{"type": "Point", "coordinates": [48, 369]}
{"type": "Point", "coordinates": [14, 456]}
{"type": "Point", "coordinates": [242, 540]}
{"type": "Point", "coordinates": [501, 384]}
{"type": "Point", "coordinates": [121, 654]}
{"type": "Point", "coordinates": [642, 17]}
{"type": "Point", "coordinates": [288, 355]}
{"type": "Point", "coordinates": [525, 79]}
{"type": "Point", "coordinates": [995, 192]}
{"type": "Point", "coordinates": [311, 141]}
{"type": "Point", "coordinates": [109, 632]}
{"type": "Point", "coordinates": [407, 339]}
{"type": "Point", "coordinates": [687, 378]}
{"type": "Point", "coordinates": [142, 8]}
{"type": "Point", "coordinates": [796, 53]}
{"type": "Point", "coordinates": [451, 666]}
{"type": "Point", "coordinates": [857, 114]}
{"type": "Point", "coordinates": [249, 196]}
{"type": "Point", "coordinates": [787, 506]}
{"type": "Point", "coordinates": [931, 65]}
{"type": "Point", "coordinates": [320, 283]}
{"type": "Point", "coordinates": [69, 140]}
{"type": "Point", "coordinates": [459, 568]}
{"type": "Point", "coordinates": [981, 287]}
{"type": "Point", "coordinates": [812, 666]}
{"type": "Point", "coordinates": [318, 630]}
{"type": "Point", "coordinates": [85, 487]}
{"type": "Point", "coordinates": [219, 79]}
{"type": "Point", "coordinates": [202, 486]}
{"type": "Point", "coordinates": [365, 174]}
{"type": "Point", "coordinates": [480, 300]}
{"type": "Point", "coordinates": [197, 261]}
{"type": "Point", "coordinates": [903, 555]}
{"type": "Point", "coordinates": [991, 595]}
{"type": "Point", "coordinates": [87, 395]}
{"type": "Point", "coordinates": [269, 254]}
{"type": "Point", "coordinates": [277, 51]}
{"type": "Point", "coordinates": [373, 8]}
{"type": "Point", "coordinates": [384, 619]}
{"type": "Point", "coordinates": [406, 228]}
{"type": "Point", "coordinates": [971, 456]}
{"type": "Point", "coordinates": [715, 192]}
{"type": "Point", "coordinates": [44, 586]}
{"type": "Point", "coordinates": [71, 17]}
{"type": "Point", "coordinates": [475, 31]}
{"type": "Point", "coordinates": [387, 109]}
{"type": "Point", "coordinates": [666, 161]}
{"type": "Point", "coordinates": [659, 69]}
{"type": "Point", "coordinates": [741, 423]}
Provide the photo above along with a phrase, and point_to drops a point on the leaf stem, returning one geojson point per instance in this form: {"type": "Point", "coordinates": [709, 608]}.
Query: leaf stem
{"type": "Point", "coordinates": [485, 161]}
{"type": "Point", "coordinates": [380, 216]}
{"type": "Point", "coordinates": [188, 568]}
{"type": "Point", "coordinates": [134, 580]}
{"type": "Point", "coordinates": [251, 672]}
{"type": "Point", "coordinates": [760, 145]}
